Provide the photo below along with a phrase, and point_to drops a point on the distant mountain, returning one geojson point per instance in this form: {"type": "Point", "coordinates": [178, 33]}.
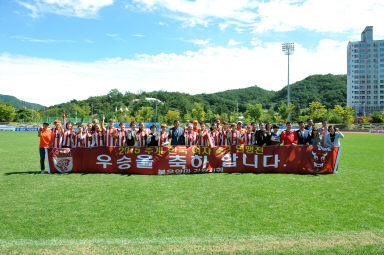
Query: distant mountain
{"type": "Point", "coordinates": [328, 89]}
{"type": "Point", "coordinates": [18, 104]}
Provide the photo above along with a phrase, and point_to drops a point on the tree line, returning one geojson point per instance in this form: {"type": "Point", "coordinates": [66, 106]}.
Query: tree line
{"type": "Point", "coordinates": [317, 97]}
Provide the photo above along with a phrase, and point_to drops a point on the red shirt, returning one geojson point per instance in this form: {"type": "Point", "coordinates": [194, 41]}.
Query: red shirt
{"type": "Point", "coordinates": [289, 137]}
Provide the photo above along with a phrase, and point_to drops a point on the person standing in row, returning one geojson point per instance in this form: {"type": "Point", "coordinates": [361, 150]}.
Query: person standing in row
{"type": "Point", "coordinates": [176, 134]}
{"type": "Point", "coordinates": [289, 136]}
{"type": "Point", "coordinates": [45, 135]}
{"type": "Point", "coordinates": [323, 131]}
{"type": "Point", "coordinates": [332, 139]}
{"type": "Point", "coordinates": [302, 134]}
{"type": "Point", "coordinates": [163, 139]}
{"type": "Point", "coordinates": [153, 137]}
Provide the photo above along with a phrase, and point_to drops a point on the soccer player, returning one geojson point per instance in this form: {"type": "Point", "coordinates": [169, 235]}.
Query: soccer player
{"type": "Point", "coordinates": [108, 133]}
{"type": "Point", "coordinates": [57, 136]}
{"type": "Point", "coordinates": [240, 127]}
{"type": "Point", "coordinates": [132, 133]}
{"type": "Point", "coordinates": [218, 124]}
{"type": "Point", "coordinates": [204, 138]}
{"type": "Point", "coordinates": [141, 135]}
{"type": "Point", "coordinates": [224, 135]}
{"type": "Point", "coordinates": [289, 136]}
{"type": "Point", "coordinates": [45, 135]}
{"type": "Point", "coordinates": [190, 136]}
{"type": "Point", "coordinates": [78, 139]}
{"type": "Point", "coordinates": [234, 135]}
{"type": "Point", "coordinates": [215, 134]}
{"type": "Point", "coordinates": [248, 137]}
{"type": "Point", "coordinates": [121, 135]}
{"type": "Point", "coordinates": [187, 122]}
{"type": "Point", "coordinates": [195, 125]}
{"type": "Point", "coordinates": [68, 136]}
{"type": "Point", "coordinates": [98, 136]}
{"type": "Point", "coordinates": [163, 136]}
{"type": "Point", "coordinates": [88, 140]}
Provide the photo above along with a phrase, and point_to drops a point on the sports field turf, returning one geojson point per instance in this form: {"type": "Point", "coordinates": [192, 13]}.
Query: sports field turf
{"type": "Point", "coordinates": [212, 213]}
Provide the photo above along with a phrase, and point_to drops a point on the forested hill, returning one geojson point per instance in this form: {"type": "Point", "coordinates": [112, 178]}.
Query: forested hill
{"type": "Point", "coordinates": [328, 89]}
{"type": "Point", "coordinates": [19, 104]}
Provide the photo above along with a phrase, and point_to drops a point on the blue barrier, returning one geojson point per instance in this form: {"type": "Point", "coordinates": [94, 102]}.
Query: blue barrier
{"type": "Point", "coordinates": [26, 129]}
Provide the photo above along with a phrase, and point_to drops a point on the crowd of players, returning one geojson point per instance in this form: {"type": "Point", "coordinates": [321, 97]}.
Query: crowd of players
{"type": "Point", "coordinates": [191, 134]}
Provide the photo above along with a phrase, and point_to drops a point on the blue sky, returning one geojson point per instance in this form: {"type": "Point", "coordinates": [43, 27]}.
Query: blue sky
{"type": "Point", "coordinates": [87, 47]}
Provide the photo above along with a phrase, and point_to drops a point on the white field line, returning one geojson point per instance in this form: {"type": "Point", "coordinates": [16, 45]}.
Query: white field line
{"type": "Point", "coordinates": [375, 234]}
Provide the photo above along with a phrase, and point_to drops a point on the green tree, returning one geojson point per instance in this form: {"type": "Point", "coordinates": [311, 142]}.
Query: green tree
{"type": "Point", "coordinates": [187, 116]}
{"type": "Point", "coordinates": [145, 113]}
{"type": "Point", "coordinates": [7, 112]}
{"type": "Point", "coordinates": [198, 112]}
{"type": "Point", "coordinates": [376, 117]}
{"type": "Point", "coordinates": [254, 112]}
{"type": "Point", "coordinates": [210, 116]}
{"type": "Point", "coordinates": [27, 115]}
{"type": "Point", "coordinates": [317, 111]}
{"type": "Point", "coordinates": [172, 115]}
{"type": "Point", "coordinates": [382, 116]}
{"type": "Point", "coordinates": [346, 113]}
{"type": "Point", "coordinates": [82, 111]}
{"type": "Point", "coordinates": [284, 111]}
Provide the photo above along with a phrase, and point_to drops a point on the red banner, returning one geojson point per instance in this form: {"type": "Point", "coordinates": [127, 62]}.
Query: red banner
{"type": "Point", "coordinates": [194, 159]}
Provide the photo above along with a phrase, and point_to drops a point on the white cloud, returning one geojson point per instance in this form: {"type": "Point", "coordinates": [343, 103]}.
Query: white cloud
{"type": "Point", "coordinates": [138, 35]}
{"type": "Point", "coordinates": [207, 70]}
{"type": "Point", "coordinates": [203, 9]}
{"type": "Point", "coordinates": [233, 43]}
{"type": "Point", "coordinates": [36, 40]}
{"type": "Point", "coordinates": [113, 35]}
{"type": "Point", "coordinates": [320, 15]}
{"type": "Point", "coordinates": [341, 16]}
{"type": "Point", "coordinates": [199, 42]}
{"type": "Point", "coordinates": [75, 8]}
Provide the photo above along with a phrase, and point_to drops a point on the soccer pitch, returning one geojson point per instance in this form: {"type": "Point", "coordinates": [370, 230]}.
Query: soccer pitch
{"type": "Point", "coordinates": [195, 214]}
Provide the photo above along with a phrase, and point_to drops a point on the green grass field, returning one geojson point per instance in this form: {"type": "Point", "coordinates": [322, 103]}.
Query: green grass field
{"type": "Point", "coordinates": [212, 213]}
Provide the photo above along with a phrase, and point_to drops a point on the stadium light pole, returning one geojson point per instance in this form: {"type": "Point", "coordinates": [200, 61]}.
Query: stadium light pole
{"type": "Point", "coordinates": [288, 49]}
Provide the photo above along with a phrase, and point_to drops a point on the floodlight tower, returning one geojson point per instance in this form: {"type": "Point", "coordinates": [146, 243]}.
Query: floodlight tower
{"type": "Point", "coordinates": [288, 49]}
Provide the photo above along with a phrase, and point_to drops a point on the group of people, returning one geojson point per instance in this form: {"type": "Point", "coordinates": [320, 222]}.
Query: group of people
{"type": "Point", "coordinates": [191, 134]}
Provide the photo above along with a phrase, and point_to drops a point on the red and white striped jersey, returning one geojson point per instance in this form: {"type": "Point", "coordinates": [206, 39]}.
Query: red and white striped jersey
{"type": "Point", "coordinates": [234, 137]}
{"type": "Point", "coordinates": [108, 137]}
{"type": "Point", "coordinates": [205, 138]}
{"type": "Point", "coordinates": [143, 135]}
{"type": "Point", "coordinates": [78, 140]}
{"type": "Point", "coordinates": [215, 137]}
{"type": "Point", "coordinates": [88, 141]}
{"type": "Point", "coordinates": [248, 138]}
{"type": "Point", "coordinates": [98, 138]}
{"type": "Point", "coordinates": [190, 138]}
{"type": "Point", "coordinates": [121, 137]}
{"type": "Point", "coordinates": [223, 138]}
{"type": "Point", "coordinates": [163, 139]}
{"type": "Point", "coordinates": [57, 138]}
{"type": "Point", "coordinates": [67, 138]}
